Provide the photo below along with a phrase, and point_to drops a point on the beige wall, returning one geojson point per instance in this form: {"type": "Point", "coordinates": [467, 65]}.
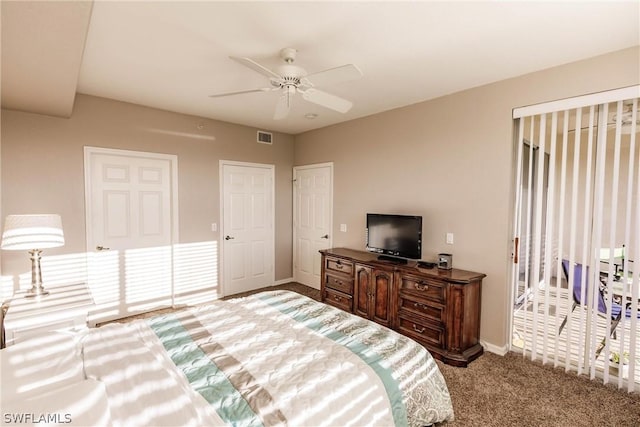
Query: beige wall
{"type": "Point", "coordinates": [42, 168]}
{"type": "Point", "coordinates": [450, 160]}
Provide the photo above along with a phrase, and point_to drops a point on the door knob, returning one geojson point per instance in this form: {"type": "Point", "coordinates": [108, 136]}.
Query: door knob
{"type": "Point", "coordinates": [229, 238]}
{"type": "Point", "coordinates": [326, 236]}
{"type": "Point", "coordinates": [102, 248]}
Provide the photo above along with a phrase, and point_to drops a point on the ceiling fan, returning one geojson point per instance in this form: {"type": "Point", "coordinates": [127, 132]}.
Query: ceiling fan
{"type": "Point", "coordinates": [291, 79]}
{"type": "Point", "coordinates": [625, 117]}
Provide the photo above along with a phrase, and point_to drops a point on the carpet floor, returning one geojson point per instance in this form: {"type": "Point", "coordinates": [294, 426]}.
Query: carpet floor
{"type": "Point", "coordinates": [513, 391]}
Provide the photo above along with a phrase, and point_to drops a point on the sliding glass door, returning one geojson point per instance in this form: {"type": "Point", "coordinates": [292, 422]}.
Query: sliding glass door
{"type": "Point", "coordinates": [527, 276]}
{"type": "Point", "coordinates": [576, 235]}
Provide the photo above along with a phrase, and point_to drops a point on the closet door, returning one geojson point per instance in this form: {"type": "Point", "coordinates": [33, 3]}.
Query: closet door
{"type": "Point", "coordinates": [130, 213]}
{"type": "Point", "coordinates": [248, 226]}
{"type": "Point", "coordinates": [312, 220]}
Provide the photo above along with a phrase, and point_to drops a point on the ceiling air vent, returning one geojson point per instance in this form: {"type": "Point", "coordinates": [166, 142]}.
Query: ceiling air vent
{"type": "Point", "coordinates": [265, 137]}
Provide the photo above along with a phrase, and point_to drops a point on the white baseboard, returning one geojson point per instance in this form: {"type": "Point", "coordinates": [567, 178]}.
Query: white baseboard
{"type": "Point", "coordinates": [494, 348]}
{"type": "Point", "coordinates": [291, 279]}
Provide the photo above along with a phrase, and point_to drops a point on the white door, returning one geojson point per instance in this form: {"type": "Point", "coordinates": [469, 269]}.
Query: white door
{"type": "Point", "coordinates": [312, 220]}
{"type": "Point", "coordinates": [131, 223]}
{"type": "Point", "coordinates": [247, 226]}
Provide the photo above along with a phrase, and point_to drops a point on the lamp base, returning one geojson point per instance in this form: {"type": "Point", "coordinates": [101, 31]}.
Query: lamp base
{"type": "Point", "coordinates": [36, 292]}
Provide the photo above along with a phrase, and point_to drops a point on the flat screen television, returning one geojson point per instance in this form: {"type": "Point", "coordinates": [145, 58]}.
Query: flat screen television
{"type": "Point", "coordinates": [394, 237]}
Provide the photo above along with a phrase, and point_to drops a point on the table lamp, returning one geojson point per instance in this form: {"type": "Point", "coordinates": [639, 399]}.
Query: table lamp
{"type": "Point", "coordinates": [33, 233]}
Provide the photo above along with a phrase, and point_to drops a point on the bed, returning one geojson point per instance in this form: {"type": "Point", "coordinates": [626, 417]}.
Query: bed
{"type": "Point", "coordinates": [273, 358]}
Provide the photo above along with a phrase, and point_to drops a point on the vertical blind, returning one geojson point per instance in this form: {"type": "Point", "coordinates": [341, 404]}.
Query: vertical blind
{"type": "Point", "coordinates": [576, 277]}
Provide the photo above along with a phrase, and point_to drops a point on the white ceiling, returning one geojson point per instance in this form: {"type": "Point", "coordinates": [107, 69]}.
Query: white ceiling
{"type": "Point", "coordinates": [172, 55]}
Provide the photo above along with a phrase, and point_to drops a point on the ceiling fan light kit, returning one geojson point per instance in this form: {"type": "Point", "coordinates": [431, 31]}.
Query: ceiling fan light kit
{"type": "Point", "coordinates": [626, 118]}
{"type": "Point", "coordinates": [291, 79]}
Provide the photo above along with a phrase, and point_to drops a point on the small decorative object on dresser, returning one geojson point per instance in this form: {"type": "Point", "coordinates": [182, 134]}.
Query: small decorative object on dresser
{"type": "Point", "coordinates": [445, 261]}
{"type": "Point", "coordinates": [438, 308]}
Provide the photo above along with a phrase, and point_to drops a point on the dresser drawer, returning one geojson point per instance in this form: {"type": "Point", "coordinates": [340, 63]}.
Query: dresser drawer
{"type": "Point", "coordinates": [409, 304]}
{"type": "Point", "coordinates": [338, 265]}
{"type": "Point", "coordinates": [433, 290]}
{"type": "Point", "coordinates": [338, 299]}
{"type": "Point", "coordinates": [339, 283]}
{"type": "Point", "coordinates": [430, 334]}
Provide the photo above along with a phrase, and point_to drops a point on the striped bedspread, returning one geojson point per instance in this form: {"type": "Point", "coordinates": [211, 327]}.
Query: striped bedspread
{"type": "Point", "coordinates": [274, 358]}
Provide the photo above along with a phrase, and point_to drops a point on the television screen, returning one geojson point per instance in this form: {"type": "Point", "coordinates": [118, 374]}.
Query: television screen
{"type": "Point", "coordinates": [395, 235]}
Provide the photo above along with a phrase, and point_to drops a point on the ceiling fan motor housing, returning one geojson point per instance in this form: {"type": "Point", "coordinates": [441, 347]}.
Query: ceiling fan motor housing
{"type": "Point", "coordinates": [288, 54]}
{"type": "Point", "coordinates": [290, 70]}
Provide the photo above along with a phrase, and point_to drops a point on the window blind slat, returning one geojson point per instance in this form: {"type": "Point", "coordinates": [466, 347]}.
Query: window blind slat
{"type": "Point", "coordinates": [599, 188]}
{"type": "Point", "coordinates": [586, 225]}
{"type": "Point", "coordinates": [548, 240]}
{"type": "Point", "coordinates": [635, 285]}
{"type": "Point", "coordinates": [537, 236]}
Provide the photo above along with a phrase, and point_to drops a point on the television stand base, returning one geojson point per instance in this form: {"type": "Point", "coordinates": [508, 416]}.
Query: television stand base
{"type": "Point", "coordinates": [392, 259]}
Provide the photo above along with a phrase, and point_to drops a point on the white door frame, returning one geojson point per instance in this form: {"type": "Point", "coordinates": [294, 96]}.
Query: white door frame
{"type": "Point", "coordinates": [271, 167]}
{"type": "Point", "coordinates": [330, 241]}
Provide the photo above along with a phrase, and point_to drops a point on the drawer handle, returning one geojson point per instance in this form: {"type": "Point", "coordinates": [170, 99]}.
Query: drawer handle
{"type": "Point", "coordinates": [337, 298]}
{"type": "Point", "coordinates": [339, 265]}
{"type": "Point", "coordinates": [421, 286]}
{"type": "Point", "coordinates": [415, 328]}
{"type": "Point", "coordinates": [419, 305]}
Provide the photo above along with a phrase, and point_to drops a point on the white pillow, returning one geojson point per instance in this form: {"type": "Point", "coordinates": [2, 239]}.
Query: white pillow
{"type": "Point", "coordinates": [79, 404]}
{"type": "Point", "coordinates": [40, 364]}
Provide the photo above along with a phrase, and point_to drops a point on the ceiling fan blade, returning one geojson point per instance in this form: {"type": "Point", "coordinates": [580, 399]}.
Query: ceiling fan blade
{"type": "Point", "coordinates": [284, 105]}
{"type": "Point", "coordinates": [250, 63]}
{"type": "Point", "coordinates": [327, 100]}
{"type": "Point", "coordinates": [331, 76]}
{"type": "Point", "coordinates": [239, 92]}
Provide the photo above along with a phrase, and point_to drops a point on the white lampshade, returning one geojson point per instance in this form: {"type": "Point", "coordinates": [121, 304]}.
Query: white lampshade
{"type": "Point", "coordinates": [27, 232]}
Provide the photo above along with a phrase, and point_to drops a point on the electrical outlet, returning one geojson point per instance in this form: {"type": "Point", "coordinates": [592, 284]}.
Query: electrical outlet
{"type": "Point", "coordinates": [214, 226]}
{"type": "Point", "coordinates": [449, 238]}
{"type": "Point", "coordinates": [343, 228]}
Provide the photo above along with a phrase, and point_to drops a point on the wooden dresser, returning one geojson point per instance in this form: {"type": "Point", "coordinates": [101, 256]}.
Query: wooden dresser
{"type": "Point", "coordinates": [438, 308]}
